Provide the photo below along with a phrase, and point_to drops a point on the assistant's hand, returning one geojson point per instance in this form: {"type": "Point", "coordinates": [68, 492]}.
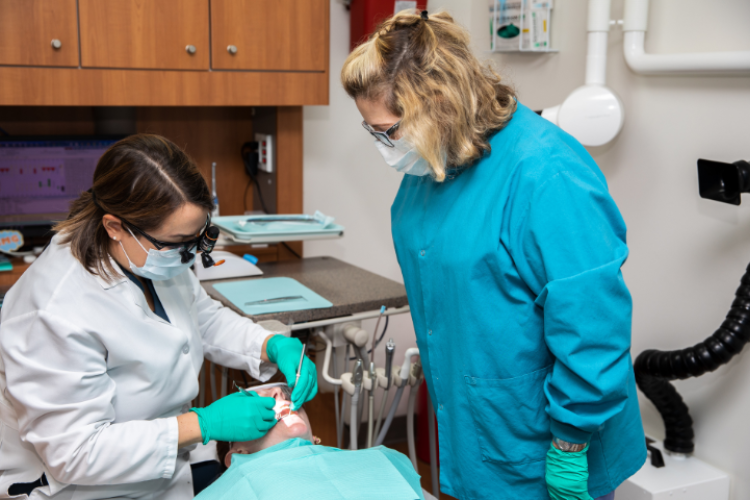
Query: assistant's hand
{"type": "Point", "coordinates": [567, 474]}
{"type": "Point", "coordinates": [285, 352]}
{"type": "Point", "coordinates": [237, 417]}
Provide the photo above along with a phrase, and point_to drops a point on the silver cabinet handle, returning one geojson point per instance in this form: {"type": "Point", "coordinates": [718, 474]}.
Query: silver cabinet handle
{"type": "Point", "coordinates": [56, 44]}
{"type": "Point", "coordinates": [232, 49]}
{"type": "Point", "coordinates": [190, 49]}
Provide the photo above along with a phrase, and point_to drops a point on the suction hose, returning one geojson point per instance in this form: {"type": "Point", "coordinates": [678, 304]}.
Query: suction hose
{"type": "Point", "coordinates": [391, 414]}
{"type": "Point", "coordinates": [654, 369]}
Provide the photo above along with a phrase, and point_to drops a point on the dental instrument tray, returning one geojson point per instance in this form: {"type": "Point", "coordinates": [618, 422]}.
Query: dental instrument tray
{"type": "Point", "coordinates": [270, 295]}
{"type": "Point", "coordinates": [276, 228]}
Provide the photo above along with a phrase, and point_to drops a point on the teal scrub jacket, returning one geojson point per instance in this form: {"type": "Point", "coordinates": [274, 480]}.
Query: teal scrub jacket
{"type": "Point", "coordinates": [522, 317]}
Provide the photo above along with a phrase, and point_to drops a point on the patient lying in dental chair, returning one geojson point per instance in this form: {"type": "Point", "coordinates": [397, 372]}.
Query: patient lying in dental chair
{"type": "Point", "coordinates": [286, 463]}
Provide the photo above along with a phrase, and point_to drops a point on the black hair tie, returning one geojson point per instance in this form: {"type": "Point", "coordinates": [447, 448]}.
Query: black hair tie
{"type": "Point", "coordinates": [424, 15]}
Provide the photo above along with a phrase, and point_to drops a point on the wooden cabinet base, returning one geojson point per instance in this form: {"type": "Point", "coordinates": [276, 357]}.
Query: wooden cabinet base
{"type": "Point", "coordinates": [23, 86]}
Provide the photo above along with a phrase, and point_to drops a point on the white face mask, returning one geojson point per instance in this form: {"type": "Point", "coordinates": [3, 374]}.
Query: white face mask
{"type": "Point", "coordinates": [404, 158]}
{"type": "Point", "coordinates": [159, 265]}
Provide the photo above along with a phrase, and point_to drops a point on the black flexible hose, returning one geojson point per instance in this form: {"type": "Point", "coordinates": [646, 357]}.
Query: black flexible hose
{"type": "Point", "coordinates": [654, 369]}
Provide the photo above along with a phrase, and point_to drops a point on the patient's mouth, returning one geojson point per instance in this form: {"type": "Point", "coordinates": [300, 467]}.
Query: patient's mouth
{"type": "Point", "coordinates": [285, 414]}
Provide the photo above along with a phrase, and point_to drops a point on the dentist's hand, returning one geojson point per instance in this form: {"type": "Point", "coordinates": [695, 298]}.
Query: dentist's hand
{"type": "Point", "coordinates": [237, 417]}
{"type": "Point", "coordinates": [286, 352]}
{"type": "Point", "coordinates": [567, 474]}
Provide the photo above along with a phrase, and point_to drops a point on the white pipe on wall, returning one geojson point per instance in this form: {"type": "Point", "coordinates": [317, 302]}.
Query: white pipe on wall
{"type": "Point", "coordinates": [593, 114]}
{"type": "Point", "coordinates": [596, 58]}
{"type": "Point", "coordinates": [598, 29]}
{"type": "Point", "coordinates": [635, 25]}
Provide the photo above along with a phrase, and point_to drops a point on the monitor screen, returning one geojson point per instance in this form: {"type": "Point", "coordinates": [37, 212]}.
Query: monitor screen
{"type": "Point", "coordinates": [40, 177]}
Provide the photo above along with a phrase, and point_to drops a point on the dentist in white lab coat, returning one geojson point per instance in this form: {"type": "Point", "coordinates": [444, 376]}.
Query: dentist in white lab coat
{"type": "Point", "coordinates": [102, 340]}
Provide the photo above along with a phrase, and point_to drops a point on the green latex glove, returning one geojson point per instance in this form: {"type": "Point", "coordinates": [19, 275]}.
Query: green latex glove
{"type": "Point", "coordinates": [237, 417]}
{"type": "Point", "coordinates": [285, 352]}
{"type": "Point", "coordinates": [567, 474]}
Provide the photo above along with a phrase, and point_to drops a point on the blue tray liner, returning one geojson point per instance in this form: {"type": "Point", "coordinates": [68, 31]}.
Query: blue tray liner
{"type": "Point", "coordinates": [241, 292]}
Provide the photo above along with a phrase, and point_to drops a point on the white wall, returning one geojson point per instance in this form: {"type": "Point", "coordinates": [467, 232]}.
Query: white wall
{"type": "Point", "coordinates": [687, 254]}
{"type": "Point", "coordinates": [346, 177]}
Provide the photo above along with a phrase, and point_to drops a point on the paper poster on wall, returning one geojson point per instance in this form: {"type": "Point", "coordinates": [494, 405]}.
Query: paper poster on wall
{"type": "Point", "coordinates": [519, 25]}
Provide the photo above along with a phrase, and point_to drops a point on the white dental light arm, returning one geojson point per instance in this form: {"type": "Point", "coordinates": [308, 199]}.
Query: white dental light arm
{"type": "Point", "coordinates": [593, 114]}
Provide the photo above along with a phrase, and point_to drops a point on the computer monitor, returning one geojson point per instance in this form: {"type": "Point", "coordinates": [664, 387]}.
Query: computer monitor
{"type": "Point", "coordinates": [41, 176]}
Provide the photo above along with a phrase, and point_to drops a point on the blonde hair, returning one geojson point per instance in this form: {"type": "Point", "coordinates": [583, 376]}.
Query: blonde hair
{"type": "Point", "coordinates": [424, 70]}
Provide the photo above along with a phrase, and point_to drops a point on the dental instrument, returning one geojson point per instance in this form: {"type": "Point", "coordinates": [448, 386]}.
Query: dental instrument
{"type": "Point", "coordinates": [358, 338]}
{"type": "Point", "coordinates": [273, 301]}
{"type": "Point", "coordinates": [301, 359]}
{"type": "Point", "coordinates": [335, 395]}
{"type": "Point", "coordinates": [318, 219]}
{"type": "Point", "coordinates": [371, 403]}
{"type": "Point", "coordinates": [390, 346]}
{"type": "Point", "coordinates": [353, 423]}
{"type": "Point", "coordinates": [402, 378]}
{"type": "Point", "coordinates": [344, 399]}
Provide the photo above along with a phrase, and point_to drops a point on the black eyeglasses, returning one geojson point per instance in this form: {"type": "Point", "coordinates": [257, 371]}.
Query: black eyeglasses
{"type": "Point", "coordinates": [186, 247]}
{"type": "Point", "coordinates": [384, 137]}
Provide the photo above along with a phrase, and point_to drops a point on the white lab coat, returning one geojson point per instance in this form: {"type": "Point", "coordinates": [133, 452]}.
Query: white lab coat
{"type": "Point", "coordinates": [91, 380]}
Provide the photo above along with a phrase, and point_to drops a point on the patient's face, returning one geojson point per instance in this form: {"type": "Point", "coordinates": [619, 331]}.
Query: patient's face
{"type": "Point", "coordinates": [296, 425]}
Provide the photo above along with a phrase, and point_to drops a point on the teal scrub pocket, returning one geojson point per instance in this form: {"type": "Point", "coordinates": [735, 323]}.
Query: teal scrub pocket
{"type": "Point", "coordinates": [510, 420]}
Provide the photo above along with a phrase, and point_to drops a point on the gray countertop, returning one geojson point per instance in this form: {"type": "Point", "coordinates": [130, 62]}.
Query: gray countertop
{"type": "Point", "coordinates": [350, 288]}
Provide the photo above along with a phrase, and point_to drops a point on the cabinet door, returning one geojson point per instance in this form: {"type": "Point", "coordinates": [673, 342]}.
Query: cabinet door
{"type": "Point", "coordinates": [147, 34]}
{"type": "Point", "coordinates": [282, 35]}
{"type": "Point", "coordinates": [38, 32]}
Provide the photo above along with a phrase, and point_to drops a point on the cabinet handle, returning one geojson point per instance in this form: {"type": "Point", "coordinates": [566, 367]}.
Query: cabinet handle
{"type": "Point", "coordinates": [190, 49]}
{"type": "Point", "coordinates": [56, 44]}
{"type": "Point", "coordinates": [232, 49]}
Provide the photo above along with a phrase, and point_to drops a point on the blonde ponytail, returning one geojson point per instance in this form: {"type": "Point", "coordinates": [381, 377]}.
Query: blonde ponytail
{"type": "Point", "coordinates": [424, 71]}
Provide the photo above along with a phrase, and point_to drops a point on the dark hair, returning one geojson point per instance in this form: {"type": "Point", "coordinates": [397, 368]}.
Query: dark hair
{"type": "Point", "coordinates": [142, 178]}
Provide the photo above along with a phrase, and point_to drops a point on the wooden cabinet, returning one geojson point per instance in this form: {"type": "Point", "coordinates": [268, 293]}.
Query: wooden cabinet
{"type": "Point", "coordinates": [144, 34]}
{"type": "Point", "coordinates": [281, 35]}
{"type": "Point", "coordinates": [38, 33]}
{"type": "Point", "coordinates": [139, 52]}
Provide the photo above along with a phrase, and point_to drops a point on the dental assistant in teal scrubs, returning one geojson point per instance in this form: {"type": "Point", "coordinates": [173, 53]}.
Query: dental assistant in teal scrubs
{"type": "Point", "coordinates": [510, 247]}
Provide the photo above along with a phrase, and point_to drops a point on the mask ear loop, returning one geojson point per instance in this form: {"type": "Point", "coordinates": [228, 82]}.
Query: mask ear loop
{"type": "Point", "coordinates": [136, 240]}
{"type": "Point", "coordinates": [126, 254]}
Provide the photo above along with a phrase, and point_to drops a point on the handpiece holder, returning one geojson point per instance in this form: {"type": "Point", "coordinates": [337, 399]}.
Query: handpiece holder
{"type": "Point", "coordinates": [723, 182]}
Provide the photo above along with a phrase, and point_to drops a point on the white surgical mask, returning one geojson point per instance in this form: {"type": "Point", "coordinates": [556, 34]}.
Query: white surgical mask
{"type": "Point", "coordinates": [159, 265]}
{"type": "Point", "coordinates": [404, 158]}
